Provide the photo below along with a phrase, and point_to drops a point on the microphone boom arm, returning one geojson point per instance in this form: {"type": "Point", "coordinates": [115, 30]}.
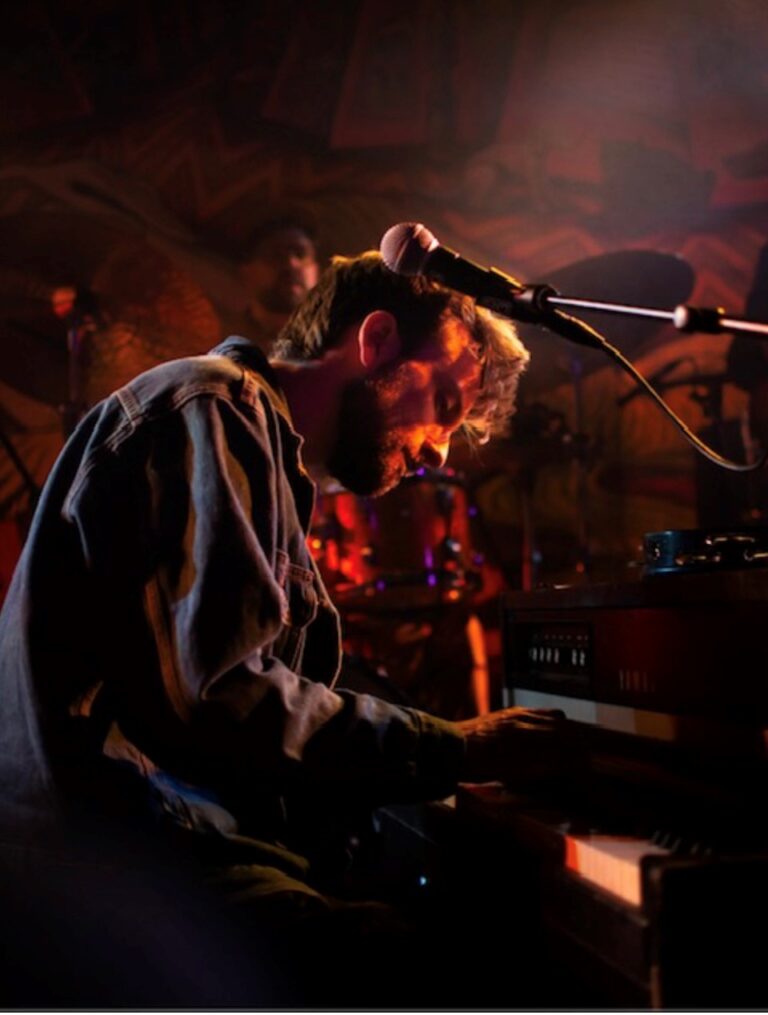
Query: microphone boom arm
{"type": "Point", "coordinates": [410, 248]}
{"type": "Point", "coordinates": [571, 327]}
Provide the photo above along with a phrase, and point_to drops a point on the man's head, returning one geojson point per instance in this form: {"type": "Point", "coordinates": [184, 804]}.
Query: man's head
{"type": "Point", "coordinates": [280, 266]}
{"type": "Point", "coordinates": [429, 361]}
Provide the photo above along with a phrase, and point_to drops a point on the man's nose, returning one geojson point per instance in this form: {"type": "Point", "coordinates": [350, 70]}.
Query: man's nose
{"type": "Point", "coordinates": [434, 454]}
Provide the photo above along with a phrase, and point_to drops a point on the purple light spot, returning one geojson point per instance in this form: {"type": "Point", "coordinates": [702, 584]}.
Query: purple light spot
{"type": "Point", "coordinates": [429, 559]}
{"type": "Point", "coordinates": [432, 579]}
{"type": "Point", "coordinates": [380, 585]}
{"type": "Point", "coordinates": [421, 472]}
{"type": "Point", "coordinates": [472, 511]}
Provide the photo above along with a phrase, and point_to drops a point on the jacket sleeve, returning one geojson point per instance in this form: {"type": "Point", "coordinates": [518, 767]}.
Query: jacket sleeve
{"type": "Point", "coordinates": [217, 606]}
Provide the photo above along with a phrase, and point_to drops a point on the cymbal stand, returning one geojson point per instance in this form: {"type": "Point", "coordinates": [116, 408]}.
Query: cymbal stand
{"type": "Point", "coordinates": [23, 471]}
{"type": "Point", "coordinates": [72, 411]}
{"type": "Point", "coordinates": [584, 560]}
{"type": "Point", "coordinates": [530, 555]}
{"type": "Point", "coordinates": [707, 391]}
{"type": "Point", "coordinates": [79, 310]}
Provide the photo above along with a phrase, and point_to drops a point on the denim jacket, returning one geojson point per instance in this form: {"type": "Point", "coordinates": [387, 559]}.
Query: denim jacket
{"type": "Point", "coordinates": [166, 619]}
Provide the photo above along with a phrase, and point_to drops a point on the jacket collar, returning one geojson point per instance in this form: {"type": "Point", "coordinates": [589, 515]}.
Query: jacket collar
{"type": "Point", "coordinates": [244, 352]}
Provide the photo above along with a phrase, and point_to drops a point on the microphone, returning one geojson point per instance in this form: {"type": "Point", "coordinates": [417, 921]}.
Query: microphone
{"type": "Point", "coordinates": [411, 249]}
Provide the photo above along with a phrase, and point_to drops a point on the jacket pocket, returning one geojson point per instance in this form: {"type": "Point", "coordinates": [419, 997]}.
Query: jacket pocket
{"type": "Point", "coordinates": [299, 609]}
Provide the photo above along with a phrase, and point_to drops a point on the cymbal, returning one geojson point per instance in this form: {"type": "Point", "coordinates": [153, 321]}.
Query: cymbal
{"type": "Point", "coordinates": [156, 312]}
{"type": "Point", "coordinates": [635, 277]}
{"type": "Point", "coordinates": [150, 308]}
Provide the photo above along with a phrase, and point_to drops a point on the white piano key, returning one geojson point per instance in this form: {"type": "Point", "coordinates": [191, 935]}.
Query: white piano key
{"type": "Point", "coordinates": [611, 862]}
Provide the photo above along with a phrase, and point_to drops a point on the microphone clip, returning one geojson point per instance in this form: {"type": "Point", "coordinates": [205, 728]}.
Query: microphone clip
{"type": "Point", "coordinates": [526, 303]}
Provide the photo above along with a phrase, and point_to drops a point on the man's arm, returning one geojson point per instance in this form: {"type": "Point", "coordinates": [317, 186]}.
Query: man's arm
{"type": "Point", "coordinates": [221, 704]}
{"type": "Point", "coordinates": [519, 745]}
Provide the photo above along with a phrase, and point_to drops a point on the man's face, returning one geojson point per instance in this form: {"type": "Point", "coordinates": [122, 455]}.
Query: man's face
{"type": "Point", "coordinates": [402, 416]}
{"type": "Point", "coordinates": [282, 271]}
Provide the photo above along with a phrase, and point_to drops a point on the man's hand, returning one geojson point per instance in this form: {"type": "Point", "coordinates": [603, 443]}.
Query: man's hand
{"type": "Point", "coordinates": [518, 745]}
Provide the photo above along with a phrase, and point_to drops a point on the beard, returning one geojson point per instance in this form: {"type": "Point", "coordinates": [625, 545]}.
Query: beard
{"type": "Point", "coordinates": [367, 457]}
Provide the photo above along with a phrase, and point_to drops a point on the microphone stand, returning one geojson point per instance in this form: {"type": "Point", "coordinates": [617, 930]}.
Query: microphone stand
{"type": "Point", "coordinates": [687, 318]}
{"type": "Point", "coordinates": [540, 304]}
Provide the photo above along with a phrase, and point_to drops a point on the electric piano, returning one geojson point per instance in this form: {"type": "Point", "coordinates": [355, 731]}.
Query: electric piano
{"type": "Point", "coordinates": [647, 867]}
{"type": "Point", "coordinates": [659, 851]}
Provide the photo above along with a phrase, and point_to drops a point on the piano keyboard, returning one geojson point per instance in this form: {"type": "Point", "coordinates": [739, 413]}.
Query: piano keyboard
{"type": "Point", "coordinates": [662, 918]}
{"type": "Point", "coordinates": [611, 862]}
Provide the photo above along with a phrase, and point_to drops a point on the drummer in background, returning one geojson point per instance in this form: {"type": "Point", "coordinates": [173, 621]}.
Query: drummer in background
{"type": "Point", "coordinates": [278, 268]}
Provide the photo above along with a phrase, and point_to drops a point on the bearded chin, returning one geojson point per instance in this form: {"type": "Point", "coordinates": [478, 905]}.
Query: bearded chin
{"type": "Point", "coordinates": [366, 457]}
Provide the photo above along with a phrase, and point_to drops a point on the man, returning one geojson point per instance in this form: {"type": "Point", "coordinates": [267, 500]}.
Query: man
{"type": "Point", "coordinates": [278, 268]}
{"type": "Point", "coordinates": [168, 648]}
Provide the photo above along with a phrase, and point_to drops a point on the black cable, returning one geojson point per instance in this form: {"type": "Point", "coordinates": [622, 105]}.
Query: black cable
{"type": "Point", "coordinates": [579, 331]}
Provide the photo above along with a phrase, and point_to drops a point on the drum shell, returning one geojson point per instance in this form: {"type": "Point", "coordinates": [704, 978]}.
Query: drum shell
{"type": "Point", "coordinates": [410, 547]}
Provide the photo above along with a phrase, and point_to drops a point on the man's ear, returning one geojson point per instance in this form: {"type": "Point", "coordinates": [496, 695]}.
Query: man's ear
{"type": "Point", "coordinates": [378, 339]}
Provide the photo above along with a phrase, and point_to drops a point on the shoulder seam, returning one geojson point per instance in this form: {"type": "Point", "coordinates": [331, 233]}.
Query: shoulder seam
{"type": "Point", "coordinates": [135, 416]}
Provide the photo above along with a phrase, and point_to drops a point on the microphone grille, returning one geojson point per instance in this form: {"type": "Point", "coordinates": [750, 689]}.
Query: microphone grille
{"type": "Point", "coordinates": [406, 246]}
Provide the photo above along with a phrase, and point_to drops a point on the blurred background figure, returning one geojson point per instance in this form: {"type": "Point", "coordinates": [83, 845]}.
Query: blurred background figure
{"type": "Point", "coordinates": [278, 268]}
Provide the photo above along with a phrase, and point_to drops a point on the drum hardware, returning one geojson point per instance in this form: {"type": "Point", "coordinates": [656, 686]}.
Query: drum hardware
{"type": "Point", "coordinates": [434, 658]}
{"type": "Point", "coordinates": [25, 475]}
{"type": "Point", "coordinates": [411, 548]}
{"type": "Point", "coordinates": [545, 437]}
{"type": "Point", "coordinates": [628, 278]}
{"type": "Point", "coordinates": [78, 309]}
{"type": "Point", "coordinates": [155, 305]}
{"type": "Point", "coordinates": [540, 438]}
{"type": "Point", "coordinates": [583, 563]}
{"type": "Point", "coordinates": [402, 569]}
{"type": "Point", "coordinates": [722, 499]}
{"type": "Point", "coordinates": [681, 551]}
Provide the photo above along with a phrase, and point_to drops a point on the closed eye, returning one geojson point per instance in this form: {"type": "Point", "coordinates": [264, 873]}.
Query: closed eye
{"type": "Point", "coordinates": [448, 405]}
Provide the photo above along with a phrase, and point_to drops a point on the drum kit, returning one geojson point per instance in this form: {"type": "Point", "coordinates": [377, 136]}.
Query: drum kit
{"type": "Point", "coordinates": [404, 569]}
{"type": "Point", "coordinates": [88, 301]}
{"type": "Point", "coordinates": [411, 548]}
{"type": "Point", "coordinates": [410, 571]}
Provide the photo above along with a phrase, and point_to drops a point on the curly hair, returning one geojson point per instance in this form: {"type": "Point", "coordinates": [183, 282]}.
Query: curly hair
{"type": "Point", "coordinates": [351, 288]}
